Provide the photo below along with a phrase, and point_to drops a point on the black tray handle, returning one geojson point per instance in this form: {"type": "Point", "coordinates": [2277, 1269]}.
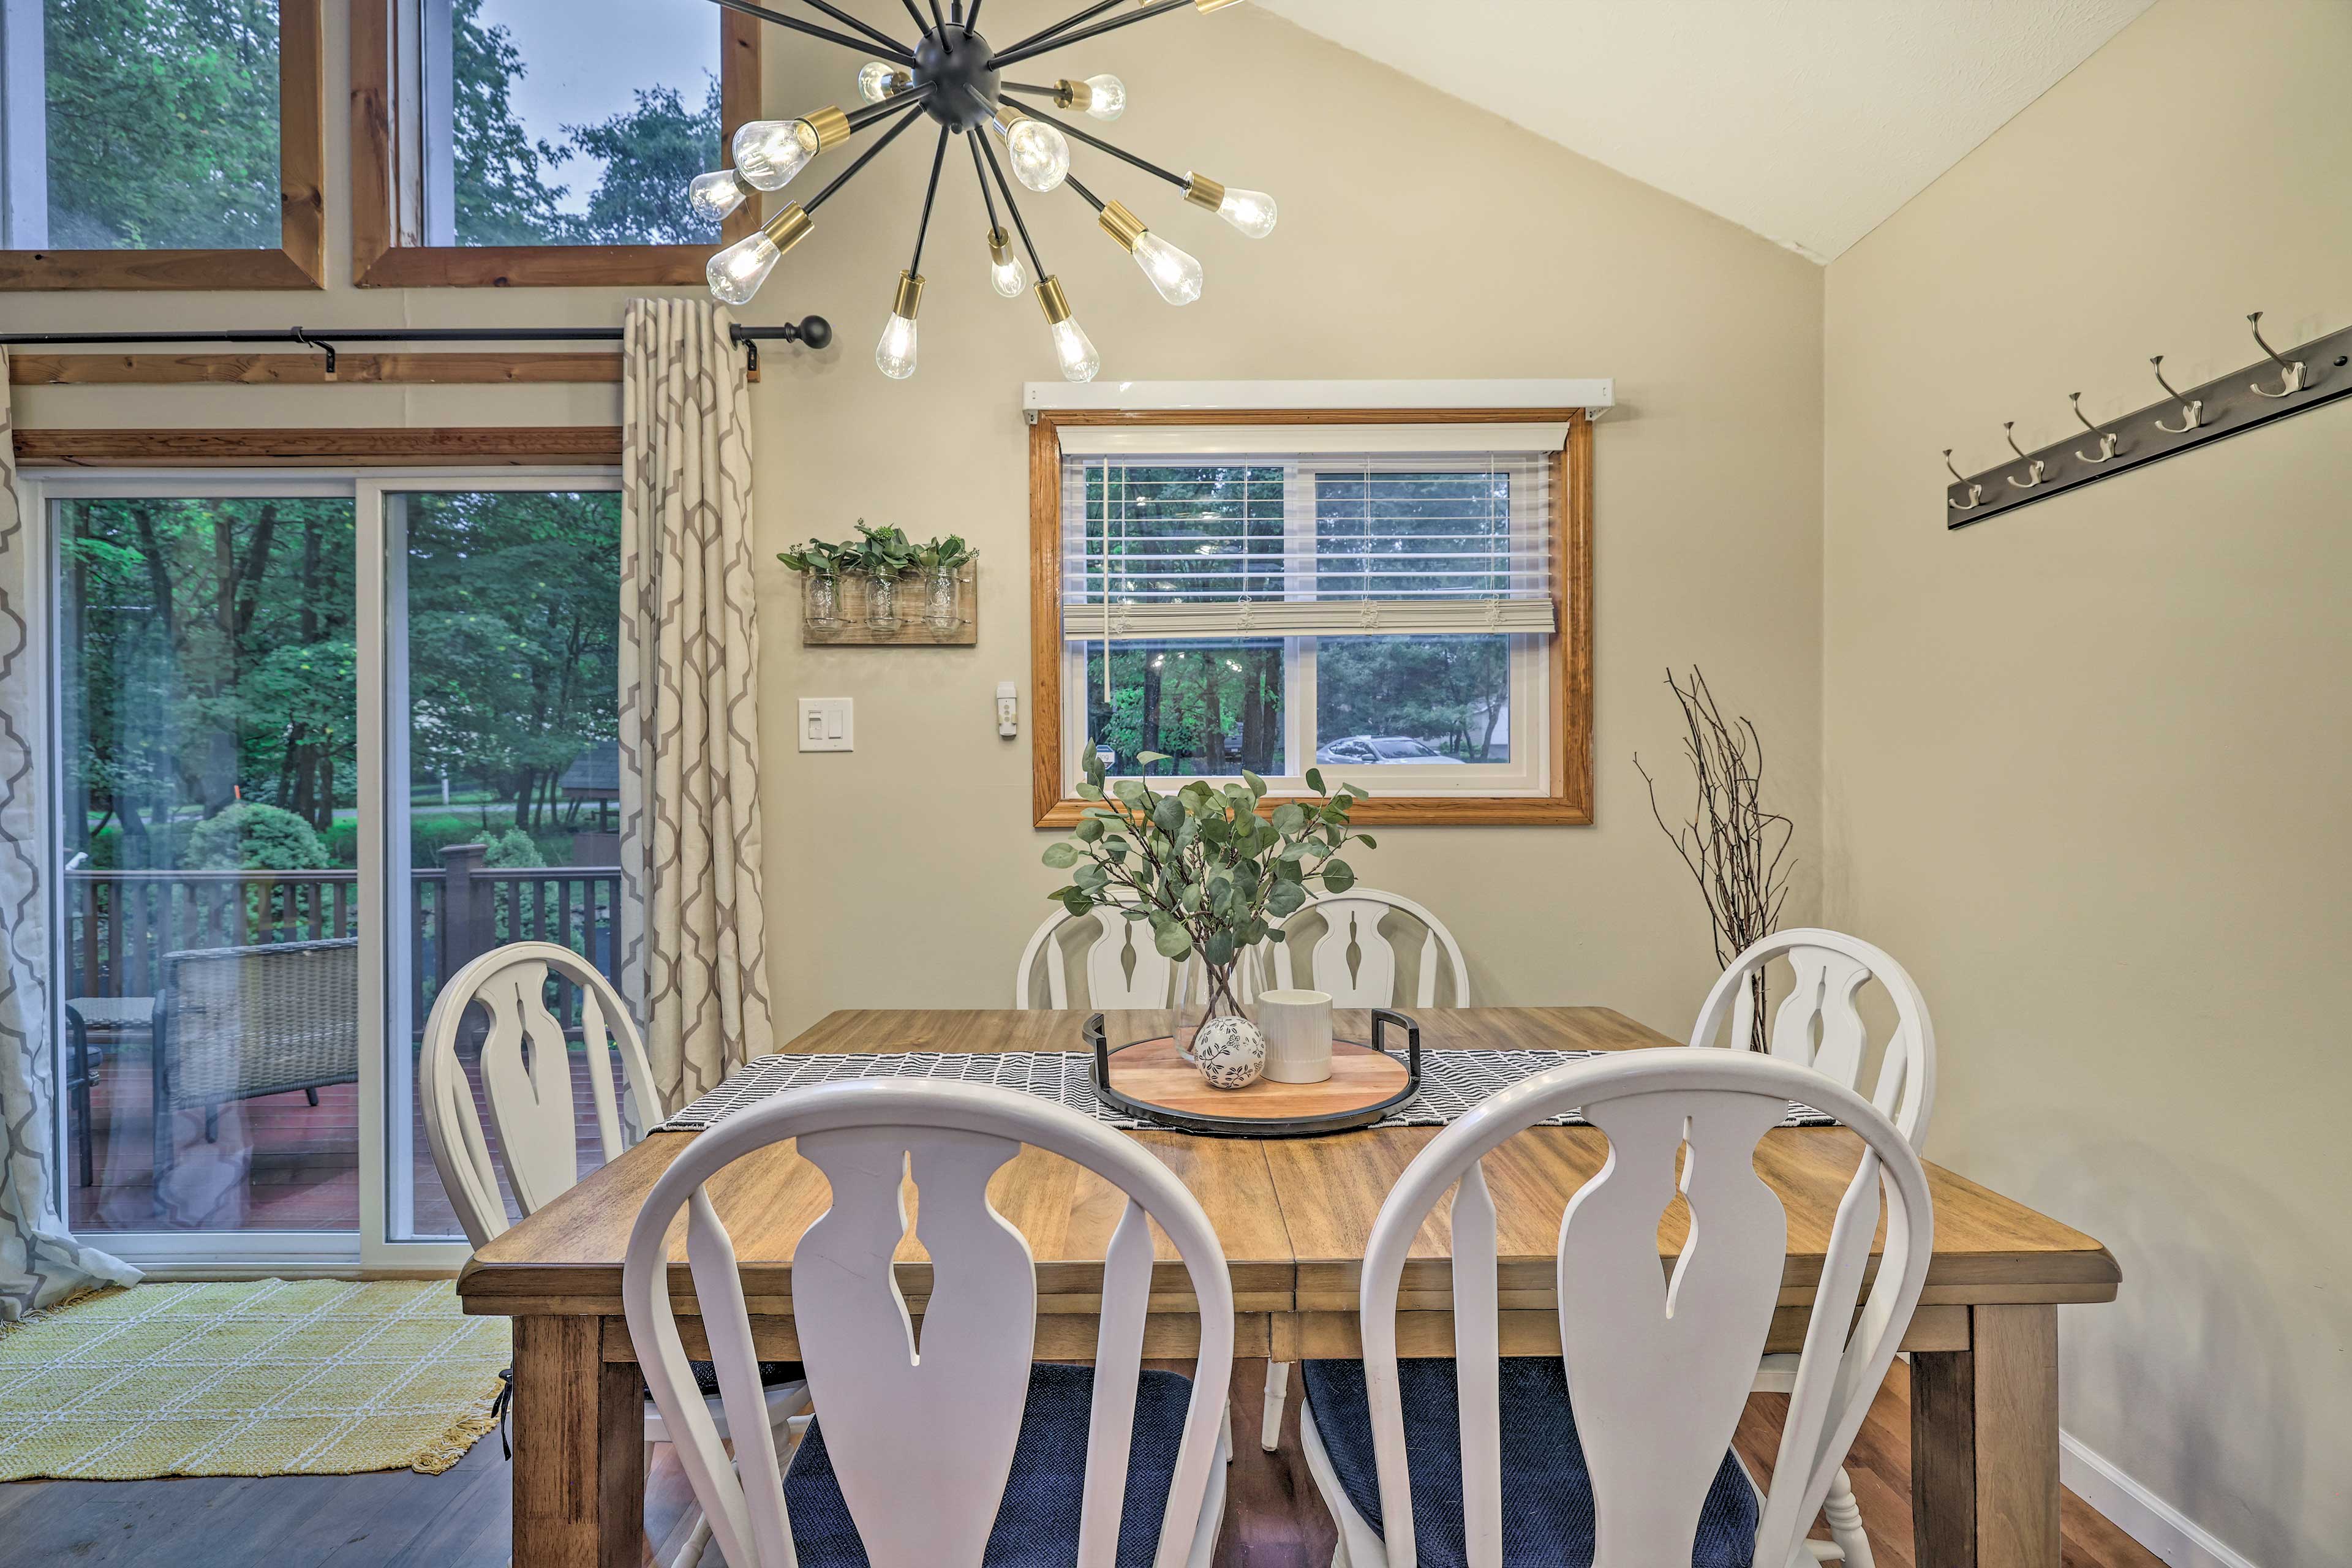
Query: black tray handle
{"type": "Point", "coordinates": [1093, 1035]}
{"type": "Point", "coordinates": [1382, 1015]}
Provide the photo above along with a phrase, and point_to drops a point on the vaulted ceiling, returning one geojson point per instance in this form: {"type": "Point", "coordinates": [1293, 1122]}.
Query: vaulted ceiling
{"type": "Point", "coordinates": [1809, 121]}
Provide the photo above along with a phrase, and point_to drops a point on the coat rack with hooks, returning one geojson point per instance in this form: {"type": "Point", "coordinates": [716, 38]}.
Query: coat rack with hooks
{"type": "Point", "coordinates": [2272, 387]}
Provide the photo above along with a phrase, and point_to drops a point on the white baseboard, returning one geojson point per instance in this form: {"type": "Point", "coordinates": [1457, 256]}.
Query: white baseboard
{"type": "Point", "coordinates": [2138, 1512]}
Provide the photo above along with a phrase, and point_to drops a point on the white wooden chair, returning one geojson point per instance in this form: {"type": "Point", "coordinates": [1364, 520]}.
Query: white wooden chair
{"type": "Point", "coordinates": [1352, 925]}
{"type": "Point", "coordinates": [927, 1451]}
{"type": "Point", "coordinates": [1818, 1024]}
{"type": "Point", "coordinates": [1654, 1370]}
{"type": "Point", "coordinates": [1351, 920]}
{"type": "Point", "coordinates": [1121, 968]}
{"type": "Point", "coordinates": [526, 1070]}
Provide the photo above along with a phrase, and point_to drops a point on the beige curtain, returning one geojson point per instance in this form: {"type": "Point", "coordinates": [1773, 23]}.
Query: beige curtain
{"type": "Point", "coordinates": [694, 939]}
{"type": "Point", "coordinates": [40, 1263]}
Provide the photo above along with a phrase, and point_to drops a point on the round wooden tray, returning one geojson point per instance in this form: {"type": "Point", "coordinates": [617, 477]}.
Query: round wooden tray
{"type": "Point", "coordinates": [1149, 1080]}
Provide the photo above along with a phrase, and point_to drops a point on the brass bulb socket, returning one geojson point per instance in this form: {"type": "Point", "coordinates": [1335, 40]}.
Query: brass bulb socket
{"type": "Point", "coordinates": [1068, 94]}
{"type": "Point", "coordinates": [900, 82]}
{"type": "Point", "coordinates": [910, 297]}
{"type": "Point", "coordinates": [1203, 191]}
{"type": "Point", "coordinates": [1053, 301]}
{"type": "Point", "coordinates": [831, 125]}
{"type": "Point", "coordinates": [788, 227]}
{"type": "Point", "coordinates": [1000, 247]}
{"type": "Point", "coordinates": [1008, 114]}
{"type": "Point", "coordinates": [1122, 225]}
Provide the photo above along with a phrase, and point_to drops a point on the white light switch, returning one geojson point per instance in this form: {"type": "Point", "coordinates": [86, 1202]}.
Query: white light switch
{"type": "Point", "coordinates": [827, 724]}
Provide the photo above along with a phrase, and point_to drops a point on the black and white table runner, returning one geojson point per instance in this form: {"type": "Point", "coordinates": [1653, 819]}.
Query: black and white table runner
{"type": "Point", "coordinates": [1451, 1082]}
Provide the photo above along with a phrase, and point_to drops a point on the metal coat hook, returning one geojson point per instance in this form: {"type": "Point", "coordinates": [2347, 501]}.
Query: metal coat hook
{"type": "Point", "coordinates": [2192, 410]}
{"type": "Point", "coordinates": [2293, 382]}
{"type": "Point", "coordinates": [2106, 439]}
{"type": "Point", "coordinates": [308, 341]}
{"type": "Point", "coordinates": [1976, 492]}
{"type": "Point", "coordinates": [2034, 466]}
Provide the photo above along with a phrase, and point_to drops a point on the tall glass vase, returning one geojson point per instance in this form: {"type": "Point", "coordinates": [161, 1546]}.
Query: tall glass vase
{"type": "Point", "coordinates": [1210, 992]}
{"type": "Point", "coordinates": [940, 593]}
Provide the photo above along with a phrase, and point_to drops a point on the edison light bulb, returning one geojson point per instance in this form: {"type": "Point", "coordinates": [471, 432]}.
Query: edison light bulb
{"type": "Point", "coordinates": [874, 80]}
{"type": "Point", "coordinates": [1252, 212]}
{"type": "Point", "coordinates": [1041, 154]}
{"type": "Point", "coordinates": [715, 194]}
{"type": "Point", "coordinates": [1075, 351]}
{"type": "Point", "coordinates": [768, 153]}
{"type": "Point", "coordinates": [895, 354]}
{"type": "Point", "coordinates": [1004, 270]}
{"type": "Point", "coordinates": [1107, 99]}
{"type": "Point", "coordinates": [1176, 275]}
{"type": "Point", "coordinates": [737, 272]}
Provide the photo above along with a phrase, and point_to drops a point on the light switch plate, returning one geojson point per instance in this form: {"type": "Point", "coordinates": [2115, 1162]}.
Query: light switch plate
{"type": "Point", "coordinates": [828, 724]}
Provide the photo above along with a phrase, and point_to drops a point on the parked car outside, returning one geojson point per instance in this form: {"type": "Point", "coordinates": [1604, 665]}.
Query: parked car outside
{"type": "Point", "coordinates": [1383, 749]}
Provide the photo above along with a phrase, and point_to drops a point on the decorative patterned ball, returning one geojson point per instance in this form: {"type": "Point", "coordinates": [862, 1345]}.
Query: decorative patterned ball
{"type": "Point", "coordinates": [1230, 1052]}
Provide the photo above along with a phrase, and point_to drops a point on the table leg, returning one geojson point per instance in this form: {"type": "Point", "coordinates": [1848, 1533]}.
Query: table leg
{"type": "Point", "coordinates": [1984, 1444]}
{"type": "Point", "coordinates": [579, 1448]}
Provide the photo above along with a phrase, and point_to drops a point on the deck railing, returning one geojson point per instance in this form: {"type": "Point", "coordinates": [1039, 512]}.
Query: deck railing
{"type": "Point", "coordinates": [119, 924]}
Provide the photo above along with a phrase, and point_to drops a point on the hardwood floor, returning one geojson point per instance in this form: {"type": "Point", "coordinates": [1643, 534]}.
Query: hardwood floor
{"type": "Point", "coordinates": [396, 1519]}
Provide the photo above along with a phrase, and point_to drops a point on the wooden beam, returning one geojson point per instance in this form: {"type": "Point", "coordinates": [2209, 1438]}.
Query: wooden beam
{"type": "Point", "coordinates": [310, 369]}
{"type": "Point", "coordinates": [498, 445]}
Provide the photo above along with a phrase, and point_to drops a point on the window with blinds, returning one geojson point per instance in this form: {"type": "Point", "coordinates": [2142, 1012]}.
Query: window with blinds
{"type": "Point", "coordinates": [1253, 532]}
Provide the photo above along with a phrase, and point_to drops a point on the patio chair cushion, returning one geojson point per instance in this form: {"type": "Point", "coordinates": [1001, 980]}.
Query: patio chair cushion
{"type": "Point", "coordinates": [1038, 1525]}
{"type": "Point", "coordinates": [772, 1375]}
{"type": "Point", "coordinates": [1547, 1511]}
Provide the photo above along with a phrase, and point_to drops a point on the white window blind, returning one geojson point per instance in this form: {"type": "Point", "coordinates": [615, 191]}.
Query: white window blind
{"type": "Point", "coordinates": [1161, 542]}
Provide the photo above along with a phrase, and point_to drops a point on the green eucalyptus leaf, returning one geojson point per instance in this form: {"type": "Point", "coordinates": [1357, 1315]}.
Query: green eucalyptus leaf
{"type": "Point", "coordinates": [1090, 791]}
{"type": "Point", "coordinates": [1368, 841]}
{"type": "Point", "coordinates": [1289, 817]}
{"type": "Point", "coordinates": [1173, 941]}
{"type": "Point", "coordinates": [1089, 831]}
{"type": "Point", "coordinates": [1077, 901]}
{"type": "Point", "coordinates": [1220, 948]}
{"type": "Point", "coordinates": [1130, 790]}
{"type": "Point", "coordinates": [1257, 784]}
{"type": "Point", "coordinates": [1145, 758]}
{"type": "Point", "coordinates": [1060, 856]}
{"type": "Point", "coordinates": [1168, 814]}
{"type": "Point", "coordinates": [1254, 932]}
{"type": "Point", "coordinates": [1337, 876]}
{"type": "Point", "coordinates": [1285, 898]}
{"type": "Point", "coordinates": [1315, 780]}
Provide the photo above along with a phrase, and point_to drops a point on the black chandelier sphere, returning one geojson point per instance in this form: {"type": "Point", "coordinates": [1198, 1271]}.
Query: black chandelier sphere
{"type": "Point", "coordinates": [954, 76]}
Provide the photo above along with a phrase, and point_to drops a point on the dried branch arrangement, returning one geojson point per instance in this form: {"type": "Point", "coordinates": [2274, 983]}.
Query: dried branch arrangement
{"type": "Point", "coordinates": [1736, 850]}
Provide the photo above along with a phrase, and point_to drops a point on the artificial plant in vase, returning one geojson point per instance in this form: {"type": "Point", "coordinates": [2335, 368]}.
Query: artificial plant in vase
{"type": "Point", "coordinates": [884, 555]}
{"type": "Point", "coordinates": [938, 561]}
{"type": "Point", "coordinates": [820, 566]}
{"type": "Point", "coordinates": [1209, 874]}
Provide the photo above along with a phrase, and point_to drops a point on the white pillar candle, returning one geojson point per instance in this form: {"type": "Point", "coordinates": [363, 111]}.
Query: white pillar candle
{"type": "Point", "coordinates": [1297, 1029]}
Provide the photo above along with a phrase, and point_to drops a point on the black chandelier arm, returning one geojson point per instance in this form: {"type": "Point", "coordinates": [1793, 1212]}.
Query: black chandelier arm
{"type": "Point", "coordinates": [898, 102]}
{"type": "Point", "coordinates": [1093, 200]}
{"type": "Point", "coordinates": [922, 27]}
{"type": "Point", "coordinates": [972, 18]}
{"type": "Point", "coordinates": [1066, 129]}
{"type": "Point", "coordinates": [1065, 24]}
{"type": "Point", "coordinates": [930, 194]}
{"type": "Point", "coordinates": [778, 18]}
{"type": "Point", "coordinates": [862, 159]}
{"type": "Point", "coordinates": [938, 17]}
{"type": "Point", "coordinates": [979, 137]}
{"type": "Point", "coordinates": [980, 173]}
{"type": "Point", "coordinates": [846, 20]}
{"type": "Point", "coordinates": [1013, 56]}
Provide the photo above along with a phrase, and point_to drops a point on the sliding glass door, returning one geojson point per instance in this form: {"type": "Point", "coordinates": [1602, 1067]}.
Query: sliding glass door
{"type": "Point", "coordinates": [314, 743]}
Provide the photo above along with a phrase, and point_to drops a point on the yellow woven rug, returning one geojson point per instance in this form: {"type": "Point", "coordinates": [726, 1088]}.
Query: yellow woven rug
{"type": "Point", "coordinates": [269, 1377]}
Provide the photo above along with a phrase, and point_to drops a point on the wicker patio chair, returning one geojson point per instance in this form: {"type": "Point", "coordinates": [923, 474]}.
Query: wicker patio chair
{"type": "Point", "coordinates": [234, 1023]}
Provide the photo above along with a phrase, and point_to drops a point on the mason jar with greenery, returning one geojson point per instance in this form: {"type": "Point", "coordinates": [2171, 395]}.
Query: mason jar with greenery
{"type": "Point", "coordinates": [820, 565]}
{"type": "Point", "coordinates": [883, 556]}
{"type": "Point", "coordinates": [941, 564]}
{"type": "Point", "coordinates": [1211, 875]}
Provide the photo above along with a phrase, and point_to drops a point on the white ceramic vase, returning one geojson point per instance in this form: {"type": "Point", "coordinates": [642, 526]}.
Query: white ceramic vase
{"type": "Point", "coordinates": [1297, 1029]}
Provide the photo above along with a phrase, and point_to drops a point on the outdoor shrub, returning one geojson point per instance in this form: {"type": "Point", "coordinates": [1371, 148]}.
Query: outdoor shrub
{"type": "Point", "coordinates": [254, 837]}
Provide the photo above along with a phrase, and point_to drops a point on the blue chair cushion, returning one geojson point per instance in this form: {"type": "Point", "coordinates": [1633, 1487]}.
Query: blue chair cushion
{"type": "Point", "coordinates": [1037, 1524]}
{"type": "Point", "coordinates": [1547, 1516]}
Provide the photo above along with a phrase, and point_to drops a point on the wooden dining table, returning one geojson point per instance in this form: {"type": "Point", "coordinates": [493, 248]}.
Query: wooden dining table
{"type": "Point", "coordinates": [1294, 1215]}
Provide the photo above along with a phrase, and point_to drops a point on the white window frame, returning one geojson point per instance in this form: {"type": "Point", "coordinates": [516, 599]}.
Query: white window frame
{"type": "Point", "coordinates": [386, 1152]}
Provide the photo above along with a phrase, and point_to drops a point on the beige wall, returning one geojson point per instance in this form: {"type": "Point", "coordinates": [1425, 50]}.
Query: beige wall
{"type": "Point", "coordinates": [2086, 765]}
{"type": "Point", "coordinates": [1419, 238]}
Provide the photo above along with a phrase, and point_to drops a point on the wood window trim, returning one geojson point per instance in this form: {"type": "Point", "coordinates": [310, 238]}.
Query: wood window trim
{"type": "Point", "coordinates": [1570, 802]}
{"type": "Point", "coordinates": [485, 446]}
{"type": "Point", "coordinates": [300, 259]}
{"type": "Point", "coordinates": [381, 260]}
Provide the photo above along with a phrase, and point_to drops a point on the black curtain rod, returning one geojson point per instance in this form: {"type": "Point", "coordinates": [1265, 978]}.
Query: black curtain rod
{"type": "Point", "coordinates": [814, 331]}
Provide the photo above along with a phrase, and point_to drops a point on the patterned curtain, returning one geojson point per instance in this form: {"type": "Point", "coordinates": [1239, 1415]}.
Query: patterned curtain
{"type": "Point", "coordinates": [694, 958]}
{"type": "Point", "coordinates": [40, 1263]}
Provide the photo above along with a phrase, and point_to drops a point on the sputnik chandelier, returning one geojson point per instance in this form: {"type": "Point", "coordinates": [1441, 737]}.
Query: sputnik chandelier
{"type": "Point", "coordinates": [953, 75]}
